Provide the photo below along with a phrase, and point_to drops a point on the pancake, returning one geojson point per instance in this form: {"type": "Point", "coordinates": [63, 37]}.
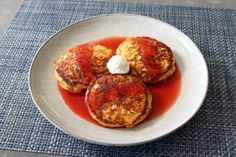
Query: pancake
{"type": "Point", "coordinates": [150, 60]}
{"type": "Point", "coordinates": [75, 69]}
{"type": "Point", "coordinates": [118, 100]}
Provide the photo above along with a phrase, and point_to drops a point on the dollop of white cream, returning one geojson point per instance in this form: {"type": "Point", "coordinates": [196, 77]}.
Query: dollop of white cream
{"type": "Point", "coordinates": [118, 65]}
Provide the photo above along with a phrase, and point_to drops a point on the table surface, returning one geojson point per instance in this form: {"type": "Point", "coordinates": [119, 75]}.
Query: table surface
{"type": "Point", "coordinates": [8, 8]}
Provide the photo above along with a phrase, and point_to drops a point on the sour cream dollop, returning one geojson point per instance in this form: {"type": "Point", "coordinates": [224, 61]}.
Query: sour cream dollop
{"type": "Point", "coordinates": [118, 65]}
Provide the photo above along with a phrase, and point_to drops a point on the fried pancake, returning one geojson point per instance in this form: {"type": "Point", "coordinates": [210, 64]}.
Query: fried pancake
{"type": "Point", "coordinates": [118, 100]}
{"type": "Point", "coordinates": [76, 68]}
{"type": "Point", "coordinates": [149, 59]}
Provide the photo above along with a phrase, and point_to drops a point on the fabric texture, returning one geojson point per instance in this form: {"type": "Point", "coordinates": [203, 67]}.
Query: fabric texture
{"type": "Point", "coordinates": [211, 132]}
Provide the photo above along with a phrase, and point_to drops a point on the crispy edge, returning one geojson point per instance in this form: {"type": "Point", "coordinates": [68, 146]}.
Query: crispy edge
{"type": "Point", "coordinates": [74, 89]}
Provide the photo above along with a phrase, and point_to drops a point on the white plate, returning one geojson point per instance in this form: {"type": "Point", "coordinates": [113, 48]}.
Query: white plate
{"type": "Point", "coordinates": [191, 63]}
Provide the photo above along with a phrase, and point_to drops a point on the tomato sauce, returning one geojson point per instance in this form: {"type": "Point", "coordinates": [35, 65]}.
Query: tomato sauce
{"type": "Point", "coordinates": [164, 93]}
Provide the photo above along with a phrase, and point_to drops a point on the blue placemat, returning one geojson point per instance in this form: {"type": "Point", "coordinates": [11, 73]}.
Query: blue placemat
{"type": "Point", "coordinates": [212, 132]}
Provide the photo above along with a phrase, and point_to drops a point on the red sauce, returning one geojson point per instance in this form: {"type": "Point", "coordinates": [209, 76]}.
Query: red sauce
{"type": "Point", "coordinates": [111, 92]}
{"type": "Point", "coordinates": [76, 102]}
{"type": "Point", "coordinates": [84, 58]}
{"type": "Point", "coordinates": [164, 93]}
{"type": "Point", "coordinates": [148, 47]}
{"type": "Point", "coordinates": [112, 42]}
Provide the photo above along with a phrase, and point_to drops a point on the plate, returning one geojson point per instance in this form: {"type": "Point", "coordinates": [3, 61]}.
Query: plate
{"type": "Point", "coordinates": [193, 70]}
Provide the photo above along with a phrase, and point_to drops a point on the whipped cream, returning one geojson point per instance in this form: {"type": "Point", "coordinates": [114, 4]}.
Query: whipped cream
{"type": "Point", "coordinates": [118, 65]}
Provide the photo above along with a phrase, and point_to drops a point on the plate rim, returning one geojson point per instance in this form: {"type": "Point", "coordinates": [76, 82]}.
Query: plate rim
{"type": "Point", "coordinates": [120, 144]}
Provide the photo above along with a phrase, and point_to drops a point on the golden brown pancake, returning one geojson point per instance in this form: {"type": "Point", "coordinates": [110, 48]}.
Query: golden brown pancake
{"type": "Point", "coordinates": [149, 59]}
{"type": "Point", "coordinates": [118, 100]}
{"type": "Point", "coordinates": [76, 68]}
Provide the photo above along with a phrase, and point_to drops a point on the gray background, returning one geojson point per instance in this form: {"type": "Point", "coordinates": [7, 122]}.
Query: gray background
{"type": "Point", "coordinates": [8, 9]}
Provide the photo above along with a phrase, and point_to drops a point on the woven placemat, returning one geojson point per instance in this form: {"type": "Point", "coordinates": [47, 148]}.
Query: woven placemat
{"type": "Point", "coordinates": [212, 132]}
